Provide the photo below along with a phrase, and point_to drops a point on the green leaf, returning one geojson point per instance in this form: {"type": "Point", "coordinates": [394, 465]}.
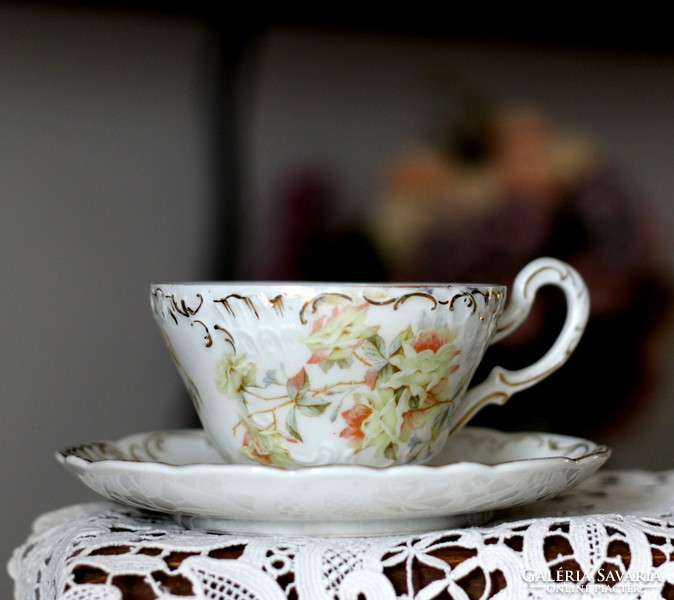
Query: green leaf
{"type": "Point", "coordinates": [414, 402]}
{"type": "Point", "coordinates": [335, 411]}
{"type": "Point", "coordinates": [345, 363]}
{"type": "Point", "coordinates": [400, 339]}
{"type": "Point", "coordinates": [310, 400]}
{"type": "Point", "coordinates": [291, 424]}
{"type": "Point", "coordinates": [378, 341]}
{"type": "Point", "coordinates": [326, 365]}
{"type": "Point", "coordinates": [374, 349]}
{"type": "Point", "coordinates": [390, 451]}
{"type": "Point", "coordinates": [298, 385]}
{"type": "Point", "coordinates": [311, 406]}
{"type": "Point", "coordinates": [371, 376]}
{"type": "Point", "coordinates": [313, 410]}
{"type": "Point", "coordinates": [438, 423]}
{"type": "Point", "coordinates": [384, 374]}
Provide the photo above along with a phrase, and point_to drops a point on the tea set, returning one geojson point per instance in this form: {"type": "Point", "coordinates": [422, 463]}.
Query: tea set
{"type": "Point", "coordinates": [342, 408]}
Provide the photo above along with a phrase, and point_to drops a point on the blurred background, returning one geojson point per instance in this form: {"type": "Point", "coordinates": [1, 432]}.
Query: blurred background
{"type": "Point", "coordinates": [145, 142]}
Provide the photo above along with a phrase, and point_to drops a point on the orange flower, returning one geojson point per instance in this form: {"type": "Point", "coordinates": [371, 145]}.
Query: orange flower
{"type": "Point", "coordinates": [431, 339]}
{"type": "Point", "coordinates": [354, 418]}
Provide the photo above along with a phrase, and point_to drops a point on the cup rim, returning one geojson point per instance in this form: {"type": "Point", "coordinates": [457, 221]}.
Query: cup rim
{"type": "Point", "coordinates": [249, 284]}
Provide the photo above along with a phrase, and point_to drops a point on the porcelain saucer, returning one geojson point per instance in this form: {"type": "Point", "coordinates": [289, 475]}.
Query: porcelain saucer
{"type": "Point", "coordinates": [479, 471]}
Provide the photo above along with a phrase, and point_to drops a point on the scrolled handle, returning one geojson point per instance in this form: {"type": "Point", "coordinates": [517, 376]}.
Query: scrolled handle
{"type": "Point", "coordinates": [502, 383]}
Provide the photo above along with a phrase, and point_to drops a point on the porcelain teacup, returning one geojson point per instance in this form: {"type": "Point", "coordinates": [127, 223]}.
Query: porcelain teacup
{"type": "Point", "coordinates": [301, 374]}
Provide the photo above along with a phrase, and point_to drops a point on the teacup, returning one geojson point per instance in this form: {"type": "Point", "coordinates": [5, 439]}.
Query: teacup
{"type": "Point", "coordinates": [305, 374]}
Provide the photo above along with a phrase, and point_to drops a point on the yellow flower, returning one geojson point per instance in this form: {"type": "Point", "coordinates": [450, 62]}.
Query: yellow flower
{"type": "Point", "coordinates": [424, 364]}
{"type": "Point", "coordinates": [373, 422]}
{"type": "Point", "coordinates": [336, 336]}
{"type": "Point", "coordinates": [265, 446]}
{"type": "Point", "coordinates": [233, 374]}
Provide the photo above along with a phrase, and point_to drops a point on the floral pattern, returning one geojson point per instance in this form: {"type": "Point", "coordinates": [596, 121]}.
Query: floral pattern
{"type": "Point", "coordinates": [335, 338]}
{"type": "Point", "coordinates": [398, 404]}
{"type": "Point", "coordinates": [234, 374]}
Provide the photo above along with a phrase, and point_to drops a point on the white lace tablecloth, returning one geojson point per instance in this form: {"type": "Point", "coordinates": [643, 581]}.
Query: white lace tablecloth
{"type": "Point", "coordinates": [611, 537]}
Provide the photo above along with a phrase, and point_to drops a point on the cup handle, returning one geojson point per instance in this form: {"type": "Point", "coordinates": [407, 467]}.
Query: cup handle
{"type": "Point", "coordinates": [501, 383]}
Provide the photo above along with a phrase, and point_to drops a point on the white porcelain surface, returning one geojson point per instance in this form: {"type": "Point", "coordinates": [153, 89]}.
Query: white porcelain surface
{"type": "Point", "coordinates": [308, 374]}
{"type": "Point", "coordinates": [478, 471]}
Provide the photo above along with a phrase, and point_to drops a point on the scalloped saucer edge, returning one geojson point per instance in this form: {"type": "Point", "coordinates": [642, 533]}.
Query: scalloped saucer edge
{"type": "Point", "coordinates": [479, 471]}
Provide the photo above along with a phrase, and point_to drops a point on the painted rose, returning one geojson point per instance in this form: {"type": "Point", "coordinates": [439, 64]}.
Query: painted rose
{"type": "Point", "coordinates": [233, 374]}
{"type": "Point", "coordinates": [335, 337]}
{"type": "Point", "coordinates": [265, 446]}
{"type": "Point", "coordinates": [373, 423]}
{"type": "Point", "coordinates": [401, 389]}
{"type": "Point", "coordinates": [423, 364]}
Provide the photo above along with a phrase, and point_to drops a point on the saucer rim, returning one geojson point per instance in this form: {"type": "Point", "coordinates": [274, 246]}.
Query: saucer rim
{"type": "Point", "coordinates": [70, 456]}
{"type": "Point", "coordinates": [177, 490]}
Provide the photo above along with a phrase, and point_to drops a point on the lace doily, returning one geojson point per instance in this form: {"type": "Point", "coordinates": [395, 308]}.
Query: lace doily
{"type": "Point", "coordinates": [612, 536]}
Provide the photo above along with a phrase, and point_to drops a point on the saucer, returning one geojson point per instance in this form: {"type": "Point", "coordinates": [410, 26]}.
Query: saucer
{"type": "Point", "coordinates": [479, 471]}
